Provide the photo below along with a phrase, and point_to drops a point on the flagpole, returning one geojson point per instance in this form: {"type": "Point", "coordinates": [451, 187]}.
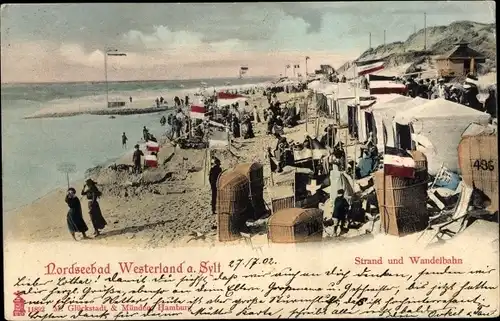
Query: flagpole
{"type": "Point", "coordinates": [205, 167]}
{"type": "Point", "coordinates": [356, 105]}
{"type": "Point", "coordinates": [345, 158]}
{"type": "Point", "coordinates": [307, 113]}
{"type": "Point", "coordinates": [106, 75]}
{"type": "Point", "coordinates": [383, 192]}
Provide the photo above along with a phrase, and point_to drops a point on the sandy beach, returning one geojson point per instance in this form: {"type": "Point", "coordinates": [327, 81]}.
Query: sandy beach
{"type": "Point", "coordinates": [170, 206]}
{"type": "Point", "coordinates": [175, 212]}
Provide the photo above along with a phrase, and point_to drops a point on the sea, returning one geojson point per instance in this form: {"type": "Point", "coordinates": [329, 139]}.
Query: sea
{"type": "Point", "coordinates": [34, 151]}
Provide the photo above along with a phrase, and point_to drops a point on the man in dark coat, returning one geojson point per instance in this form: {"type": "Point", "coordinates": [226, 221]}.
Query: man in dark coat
{"type": "Point", "coordinates": [470, 97]}
{"type": "Point", "coordinates": [235, 124]}
{"type": "Point", "coordinates": [249, 128]}
{"type": "Point", "coordinates": [136, 159]}
{"type": "Point", "coordinates": [340, 211]}
{"type": "Point", "coordinates": [412, 87]}
{"type": "Point", "coordinates": [213, 176]}
{"type": "Point", "coordinates": [491, 103]}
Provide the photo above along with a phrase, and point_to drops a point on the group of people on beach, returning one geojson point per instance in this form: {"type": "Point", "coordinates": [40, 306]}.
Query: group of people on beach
{"type": "Point", "coordinates": [465, 93]}
{"type": "Point", "coordinates": [74, 218]}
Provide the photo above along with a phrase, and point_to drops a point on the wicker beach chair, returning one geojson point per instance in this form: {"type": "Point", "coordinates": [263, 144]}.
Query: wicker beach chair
{"type": "Point", "coordinates": [232, 205]}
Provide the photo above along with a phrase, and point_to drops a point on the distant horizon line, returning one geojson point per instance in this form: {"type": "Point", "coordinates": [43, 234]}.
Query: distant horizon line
{"type": "Point", "coordinates": [125, 81]}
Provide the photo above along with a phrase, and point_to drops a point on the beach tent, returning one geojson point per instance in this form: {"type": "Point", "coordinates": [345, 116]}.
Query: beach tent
{"type": "Point", "coordinates": [322, 104]}
{"type": "Point", "coordinates": [356, 118]}
{"type": "Point", "coordinates": [436, 128]}
{"type": "Point", "coordinates": [342, 96]}
{"type": "Point", "coordinates": [383, 114]}
{"type": "Point", "coordinates": [366, 123]}
{"type": "Point", "coordinates": [360, 120]}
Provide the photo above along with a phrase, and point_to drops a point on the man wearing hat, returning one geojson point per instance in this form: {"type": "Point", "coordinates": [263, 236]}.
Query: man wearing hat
{"type": "Point", "coordinates": [340, 211]}
{"type": "Point", "coordinates": [412, 87]}
{"type": "Point", "coordinates": [213, 176]}
{"type": "Point", "coordinates": [440, 89]}
{"type": "Point", "coordinates": [136, 159]}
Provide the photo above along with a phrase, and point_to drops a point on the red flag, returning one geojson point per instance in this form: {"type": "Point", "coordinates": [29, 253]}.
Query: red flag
{"type": "Point", "coordinates": [198, 111]}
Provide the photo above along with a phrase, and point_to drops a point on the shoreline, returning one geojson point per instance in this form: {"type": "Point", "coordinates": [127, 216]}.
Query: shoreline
{"type": "Point", "coordinates": [104, 112]}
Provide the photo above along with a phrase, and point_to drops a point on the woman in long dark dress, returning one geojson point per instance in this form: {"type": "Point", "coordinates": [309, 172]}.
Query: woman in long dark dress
{"type": "Point", "coordinates": [92, 192]}
{"type": "Point", "coordinates": [74, 217]}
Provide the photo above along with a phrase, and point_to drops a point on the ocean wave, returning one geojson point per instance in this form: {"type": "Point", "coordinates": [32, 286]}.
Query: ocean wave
{"type": "Point", "coordinates": [140, 99]}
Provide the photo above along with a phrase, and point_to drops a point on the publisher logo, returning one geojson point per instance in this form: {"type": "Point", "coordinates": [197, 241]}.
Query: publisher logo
{"type": "Point", "coordinates": [19, 305]}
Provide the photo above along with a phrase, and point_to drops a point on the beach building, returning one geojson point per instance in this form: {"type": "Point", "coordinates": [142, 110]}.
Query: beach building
{"type": "Point", "coordinates": [459, 61]}
{"type": "Point", "coordinates": [324, 70]}
{"type": "Point", "coordinates": [435, 128]}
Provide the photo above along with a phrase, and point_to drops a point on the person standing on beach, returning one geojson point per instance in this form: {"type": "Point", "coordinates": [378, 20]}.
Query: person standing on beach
{"type": "Point", "coordinates": [124, 140]}
{"type": "Point", "coordinates": [256, 116]}
{"type": "Point", "coordinates": [130, 98]}
{"type": "Point", "coordinates": [136, 159]}
{"type": "Point", "coordinates": [180, 119]}
{"type": "Point", "coordinates": [74, 218]}
{"type": "Point", "coordinates": [340, 211]}
{"type": "Point", "coordinates": [145, 133]}
{"type": "Point", "coordinates": [213, 176]}
{"type": "Point", "coordinates": [92, 192]}
{"type": "Point", "coordinates": [186, 100]}
{"type": "Point", "coordinates": [235, 125]}
{"type": "Point", "coordinates": [490, 104]}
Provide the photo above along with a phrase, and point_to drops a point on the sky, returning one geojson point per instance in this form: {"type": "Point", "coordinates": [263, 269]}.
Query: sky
{"type": "Point", "coordinates": [65, 42]}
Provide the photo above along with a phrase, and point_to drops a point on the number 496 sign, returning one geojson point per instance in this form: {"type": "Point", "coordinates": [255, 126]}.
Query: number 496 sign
{"type": "Point", "coordinates": [484, 165]}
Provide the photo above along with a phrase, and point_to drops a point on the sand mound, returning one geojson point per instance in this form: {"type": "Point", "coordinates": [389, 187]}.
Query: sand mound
{"type": "Point", "coordinates": [228, 158]}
